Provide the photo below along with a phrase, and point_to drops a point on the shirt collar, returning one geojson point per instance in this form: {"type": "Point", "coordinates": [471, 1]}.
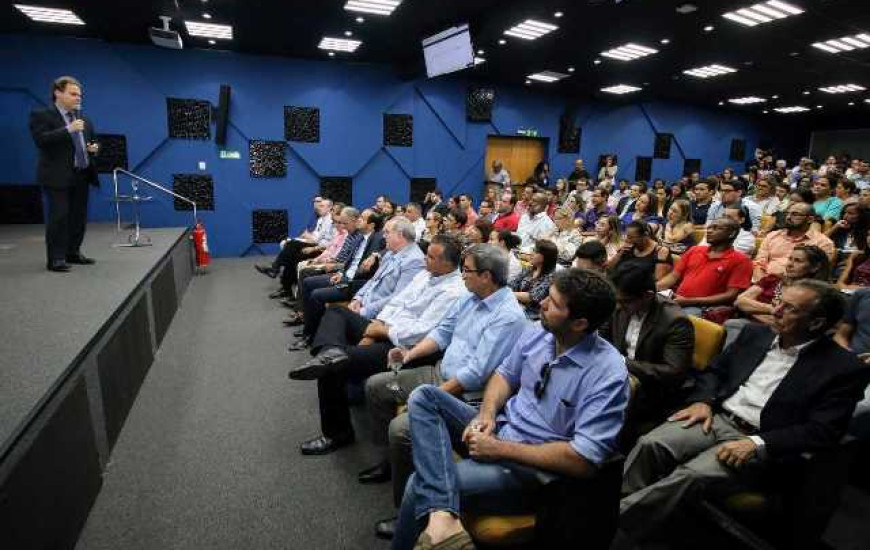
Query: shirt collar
{"type": "Point", "coordinates": [793, 351]}
{"type": "Point", "coordinates": [493, 300]}
{"type": "Point", "coordinates": [441, 278]}
{"type": "Point", "coordinates": [577, 355]}
{"type": "Point", "coordinates": [62, 111]}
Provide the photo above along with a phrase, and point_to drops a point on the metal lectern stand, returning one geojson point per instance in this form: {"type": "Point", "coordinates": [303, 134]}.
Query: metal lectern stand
{"type": "Point", "coordinates": [137, 238]}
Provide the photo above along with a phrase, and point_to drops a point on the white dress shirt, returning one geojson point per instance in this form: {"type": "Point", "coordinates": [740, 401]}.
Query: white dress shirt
{"type": "Point", "coordinates": [357, 258]}
{"type": "Point", "coordinates": [532, 228]}
{"type": "Point", "coordinates": [419, 227]}
{"type": "Point", "coordinates": [632, 334]}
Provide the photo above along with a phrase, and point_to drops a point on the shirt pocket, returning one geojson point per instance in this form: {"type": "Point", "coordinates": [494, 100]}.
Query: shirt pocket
{"type": "Point", "coordinates": [562, 418]}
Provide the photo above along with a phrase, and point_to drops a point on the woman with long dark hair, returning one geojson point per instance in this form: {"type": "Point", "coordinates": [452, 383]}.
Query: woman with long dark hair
{"type": "Point", "coordinates": [533, 284]}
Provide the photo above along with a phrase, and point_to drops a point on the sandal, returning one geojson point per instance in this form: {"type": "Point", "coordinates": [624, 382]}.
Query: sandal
{"type": "Point", "coordinates": [459, 541]}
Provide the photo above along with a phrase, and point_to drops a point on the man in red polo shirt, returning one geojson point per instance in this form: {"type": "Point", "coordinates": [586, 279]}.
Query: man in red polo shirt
{"type": "Point", "coordinates": [507, 219]}
{"type": "Point", "coordinates": [710, 276]}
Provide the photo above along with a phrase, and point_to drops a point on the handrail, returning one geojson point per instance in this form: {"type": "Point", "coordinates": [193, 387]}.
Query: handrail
{"type": "Point", "coordinates": [115, 173]}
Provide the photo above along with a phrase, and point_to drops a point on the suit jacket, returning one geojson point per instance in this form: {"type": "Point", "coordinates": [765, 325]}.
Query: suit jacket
{"type": "Point", "coordinates": [393, 275]}
{"type": "Point", "coordinates": [374, 244]}
{"type": "Point", "coordinates": [55, 168]}
{"type": "Point", "coordinates": [810, 409]}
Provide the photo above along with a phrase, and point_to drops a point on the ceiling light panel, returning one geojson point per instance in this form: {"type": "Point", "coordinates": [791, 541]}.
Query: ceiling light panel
{"type": "Point", "coordinates": [629, 52]}
{"type": "Point", "coordinates": [547, 76]}
{"type": "Point", "coordinates": [845, 44]}
{"type": "Point", "coordinates": [710, 71]}
{"type": "Point", "coordinates": [620, 89]}
{"type": "Point", "coordinates": [209, 30]}
{"type": "Point", "coordinates": [339, 44]}
{"type": "Point", "coordinates": [794, 109]}
{"type": "Point", "coordinates": [764, 12]}
{"type": "Point", "coordinates": [530, 29]}
{"type": "Point", "coordinates": [748, 100]}
{"type": "Point", "coordinates": [842, 89]}
{"type": "Point", "coordinates": [374, 7]}
{"type": "Point", "coordinates": [49, 15]}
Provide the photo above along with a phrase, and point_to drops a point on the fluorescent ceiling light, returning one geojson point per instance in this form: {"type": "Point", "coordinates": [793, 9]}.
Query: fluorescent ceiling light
{"type": "Point", "coordinates": [530, 29]}
{"type": "Point", "coordinates": [748, 100]}
{"type": "Point", "coordinates": [339, 44]}
{"type": "Point", "coordinates": [845, 44]}
{"type": "Point", "coordinates": [710, 71]}
{"type": "Point", "coordinates": [547, 76]}
{"type": "Point", "coordinates": [843, 89]}
{"type": "Point", "coordinates": [629, 52]}
{"type": "Point", "coordinates": [375, 7]}
{"type": "Point", "coordinates": [620, 89]}
{"type": "Point", "coordinates": [795, 109]}
{"type": "Point", "coordinates": [764, 12]}
{"type": "Point", "coordinates": [209, 30]}
{"type": "Point", "coordinates": [50, 15]}
{"type": "Point", "coordinates": [479, 60]}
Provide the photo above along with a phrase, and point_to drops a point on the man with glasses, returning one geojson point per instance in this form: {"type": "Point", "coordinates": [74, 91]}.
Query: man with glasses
{"type": "Point", "coordinates": [777, 245]}
{"type": "Point", "coordinates": [555, 406]}
{"type": "Point", "coordinates": [732, 196]}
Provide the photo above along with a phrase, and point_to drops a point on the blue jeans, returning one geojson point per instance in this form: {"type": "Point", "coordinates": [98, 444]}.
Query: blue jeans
{"type": "Point", "coordinates": [437, 421]}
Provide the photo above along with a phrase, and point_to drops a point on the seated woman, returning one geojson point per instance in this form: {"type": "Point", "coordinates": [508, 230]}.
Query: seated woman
{"type": "Point", "coordinates": [478, 232]}
{"type": "Point", "coordinates": [677, 192]}
{"type": "Point", "coordinates": [644, 211]}
{"type": "Point", "coordinates": [567, 237]}
{"type": "Point", "coordinates": [679, 233]}
{"type": "Point", "coordinates": [641, 251]}
{"type": "Point", "coordinates": [661, 210]}
{"type": "Point", "coordinates": [455, 222]}
{"type": "Point", "coordinates": [608, 234]}
{"type": "Point", "coordinates": [849, 233]}
{"type": "Point", "coordinates": [856, 274]}
{"type": "Point", "coordinates": [510, 243]}
{"type": "Point", "coordinates": [434, 226]}
{"type": "Point", "coordinates": [533, 283]}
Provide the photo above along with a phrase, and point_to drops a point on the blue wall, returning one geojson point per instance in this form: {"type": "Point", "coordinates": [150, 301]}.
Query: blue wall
{"type": "Point", "coordinates": [126, 86]}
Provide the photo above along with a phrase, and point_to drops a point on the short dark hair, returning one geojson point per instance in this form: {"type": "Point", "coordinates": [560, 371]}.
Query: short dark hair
{"type": "Point", "coordinates": [805, 194]}
{"type": "Point", "coordinates": [458, 215]}
{"type": "Point", "coordinates": [437, 192]}
{"type": "Point", "coordinates": [60, 84]}
{"type": "Point", "coordinates": [485, 228]}
{"type": "Point", "coordinates": [514, 198]}
{"type": "Point", "coordinates": [450, 246]}
{"type": "Point", "coordinates": [593, 251]}
{"type": "Point", "coordinates": [511, 240]}
{"type": "Point", "coordinates": [736, 184]}
{"type": "Point", "coordinates": [589, 295]}
{"type": "Point", "coordinates": [641, 226]}
{"type": "Point", "coordinates": [550, 252]}
{"type": "Point", "coordinates": [847, 184]}
{"type": "Point", "coordinates": [634, 281]}
{"type": "Point", "coordinates": [376, 219]}
{"type": "Point", "coordinates": [829, 305]}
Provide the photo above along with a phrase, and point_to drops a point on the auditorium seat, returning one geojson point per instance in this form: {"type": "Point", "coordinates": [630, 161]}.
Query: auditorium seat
{"type": "Point", "coordinates": [709, 338]}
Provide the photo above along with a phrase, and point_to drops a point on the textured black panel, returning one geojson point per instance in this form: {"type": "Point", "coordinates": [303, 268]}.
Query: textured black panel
{"type": "Point", "coordinates": [197, 187]}
{"type": "Point", "coordinates": [569, 135]}
{"type": "Point", "coordinates": [113, 153]}
{"type": "Point", "coordinates": [188, 118]}
{"type": "Point", "coordinates": [643, 170]}
{"type": "Point", "coordinates": [302, 124]}
{"type": "Point", "coordinates": [45, 500]}
{"type": "Point", "coordinates": [122, 365]}
{"type": "Point", "coordinates": [738, 149]}
{"type": "Point", "coordinates": [398, 130]}
{"type": "Point", "coordinates": [690, 166]}
{"type": "Point", "coordinates": [267, 159]}
{"type": "Point", "coordinates": [421, 186]}
{"type": "Point", "coordinates": [479, 103]}
{"type": "Point", "coordinates": [21, 204]}
{"type": "Point", "coordinates": [337, 188]}
{"type": "Point", "coordinates": [662, 147]}
{"type": "Point", "coordinates": [164, 300]}
{"type": "Point", "coordinates": [270, 226]}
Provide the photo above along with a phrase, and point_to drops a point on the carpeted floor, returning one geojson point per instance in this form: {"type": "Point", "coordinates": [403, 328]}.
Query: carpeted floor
{"type": "Point", "coordinates": [208, 457]}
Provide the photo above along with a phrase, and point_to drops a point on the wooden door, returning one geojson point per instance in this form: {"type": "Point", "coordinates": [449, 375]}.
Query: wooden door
{"type": "Point", "coordinates": [519, 155]}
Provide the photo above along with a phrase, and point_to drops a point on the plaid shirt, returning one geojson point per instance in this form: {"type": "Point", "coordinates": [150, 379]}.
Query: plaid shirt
{"type": "Point", "coordinates": [349, 247]}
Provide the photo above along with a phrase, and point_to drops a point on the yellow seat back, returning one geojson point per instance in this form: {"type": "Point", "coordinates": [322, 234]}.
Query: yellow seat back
{"type": "Point", "coordinates": [709, 338]}
{"type": "Point", "coordinates": [500, 530]}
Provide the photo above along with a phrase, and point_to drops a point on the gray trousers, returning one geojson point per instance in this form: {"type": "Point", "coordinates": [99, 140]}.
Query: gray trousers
{"type": "Point", "coordinates": [389, 430]}
{"type": "Point", "coordinates": [671, 463]}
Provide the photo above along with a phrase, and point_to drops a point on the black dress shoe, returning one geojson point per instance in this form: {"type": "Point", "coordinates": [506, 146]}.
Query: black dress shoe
{"type": "Point", "coordinates": [386, 528]}
{"type": "Point", "coordinates": [299, 333]}
{"type": "Point", "coordinates": [58, 266]}
{"type": "Point", "coordinates": [267, 270]}
{"type": "Point", "coordinates": [379, 473]}
{"type": "Point", "coordinates": [289, 303]}
{"type": "Point", "coordinates": [326, 362]}
{"type": "Point", "coordinates": [80, 259]}
{"type": "Point", "coordinates": [279, 294]}
{"type": "Point", "coordinates": [324, 445]}
{"type": "Point", "coordinates": [300, 344]}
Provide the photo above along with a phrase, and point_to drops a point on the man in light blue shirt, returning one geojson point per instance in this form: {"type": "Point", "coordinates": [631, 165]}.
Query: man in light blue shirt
{"type": "Point", "coordinates": [555, 406]}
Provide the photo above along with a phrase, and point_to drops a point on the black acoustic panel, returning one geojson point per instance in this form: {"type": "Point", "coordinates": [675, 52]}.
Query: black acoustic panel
{"type": "Point", "coordinates": [643, 169]}
{"type": "Point", "coordinates": [569, 138]}
{"type": "Point", "coordinates": [48, 493]}
{"type": "Point", "coordinates": [398, 130]}
{"type": "Point", "coordinates": [270, 226]}
{"type": "Point", "coordinates": [188, 118]}
{"type": "Point", "coordinates": [268, 159]}
{"type": "Point", "coordinates": [479, 103]}
{"type": "Point", "coordinates": [738, 150]}
{"type": "Point", "coordinates": [21, 204]}
{"type": "Point", "coordinates": [112, 153]}
{"type": "Point", "coordinates": [164, 300]}
{"type": "Point", "coordinates": [420, 187]}
{"type": "Point", "coordinates": [691, 166]}
{"type": "Point", "coordinates": [122, 365]}
{"type": "Point", "coordinates": [302, 124]}
{"type": "Point", "coordinates": [662, 147]}
{"type": "Point", "coordinates": [337, 188]}
{"type": "Point", "coordinates": [197, 187]}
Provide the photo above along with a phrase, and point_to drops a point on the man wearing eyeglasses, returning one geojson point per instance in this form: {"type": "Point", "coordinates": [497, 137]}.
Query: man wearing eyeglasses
{"type": "Point", "coordinates": [778, 245]}
{"type": "Point", "coordinates": [555, 406]}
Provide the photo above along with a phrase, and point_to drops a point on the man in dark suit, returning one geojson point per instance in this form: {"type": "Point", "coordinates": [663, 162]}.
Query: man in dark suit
{"type": "Point", "coordinates": [771, 396]}
{"type": "Point", "coordinates": [65, 168]}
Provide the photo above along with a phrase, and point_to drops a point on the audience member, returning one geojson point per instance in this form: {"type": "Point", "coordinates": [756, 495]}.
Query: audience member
{"type": "Point", "coordinates": [535, 223]}
{"type": "Point", "coordinates": [856, 273]}
{"type": "Point", "coordinates": [661, 210]}
{"type": "Point", "coordinates": [745, 241]}
{"type": "Point", "coordinates": [561, 190]}
{"type": "Point", "coordinates": [597, 210]}
{"type": "Point", "coordinates": [414, 213]}
{"type": "Point", "coordinates": [644, 211]}
{"type": "Point", "coordinates": [764, 197]}
{"type": "Point", "coordinates": [433, 202]}
{"type": "Point", "coordinates": [581, 191]}
{"type": "Point", "coordinates": [566, 237]}
{"type": "Point", "coordinates": [678, 233]}
{"type": "Point", "coordinates": [523, 204]}
{"type": "Point", "coordinates": [478, 232]}
{"type": "Point", "coordinates": [643, 252]}
{"type": "Point", "coordinates": [608, 170]}
{"type": "Point", "coordinates": [732, 193]}
{"type": "Point", "coordinates": [703, 192]}
{"type": "Point", "coordinates": [777, 246]}
{"type": "Point", "coordinates": [434, 226]}
{"type": "Point", "coordinates": [849, 233]}
{"type": "Point", "coordinates": [578, 172]}
{"type": "Point", "coordinates": [626, 203]}
{"type": "Point", "coordinates": [466, 207]}
{"type": "Point", "coordinates": [507, 218]}
{"type": "Point", "coordinates": [533, 283]}
{"type": "Point", "coordinates": [608, 234]}
{"type": "Point", "coordinates": [541, 174]}
{"type": "Point", "coordinates": [509, 242]}
{"type": "Point", "coordinates": [454, 222]}
{"type": "Point", "coordinates": [500, 175]}
{"type": "Point", "coordinates": [485, 211]}
{"type": "Point", "coordinates": [853, 333]}
{"type": "Point", "coordinates": [846, 191]}
{"type": "Point", "coordinates": [591, 255]}
{"type": "Point", "coordinates": [826, 206]}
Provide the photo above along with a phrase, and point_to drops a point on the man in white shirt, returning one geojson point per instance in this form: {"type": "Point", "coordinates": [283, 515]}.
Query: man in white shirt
{"type": "Point", "coordinates": [500, 175]}
{"type": "Point", "coordinates": [414, 213]}
{"type": "Point", "coordinates": [535, 223]}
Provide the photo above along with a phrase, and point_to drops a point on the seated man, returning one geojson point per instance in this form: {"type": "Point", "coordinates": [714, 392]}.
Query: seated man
{"type": "Point", "coordinates": [507, 218]}
{"type": "Point", "coordinates": [768, 398]}
{"type": "Point", "coordinates": [404, 321]}
{"type": "Point", "coordinates": [317, 234]}
{"type": "Point", "coordinates": [713, 275]}
{"type": "Point", "coordinates": [554, 406]}
{"type": "Point", "coordinates": [591, 255]}
{"type": "Point", "coordinates": [777, 245]}
{"type": "Point", "coordinates": [475, 336]}
{"type": "Point", "coordinates": [535, 223]}
{"type": "Point", "coordinates": [657, 340]}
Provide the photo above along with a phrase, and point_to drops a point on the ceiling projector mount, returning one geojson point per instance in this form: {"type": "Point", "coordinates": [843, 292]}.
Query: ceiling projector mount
{"type": "Point", "coordinates": [165, 37]}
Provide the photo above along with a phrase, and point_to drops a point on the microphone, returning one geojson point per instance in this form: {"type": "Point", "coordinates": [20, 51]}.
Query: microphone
{"type": "Point", "coordinates": [77, 114]}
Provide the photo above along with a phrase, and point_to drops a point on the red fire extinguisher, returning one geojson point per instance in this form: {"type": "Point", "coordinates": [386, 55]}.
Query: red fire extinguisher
{"type": "Point", "coordinates": [200, 244]}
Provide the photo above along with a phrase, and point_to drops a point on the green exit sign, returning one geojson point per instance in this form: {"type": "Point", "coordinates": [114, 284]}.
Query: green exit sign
{"type": "Point", "coordinates": [231, 155]}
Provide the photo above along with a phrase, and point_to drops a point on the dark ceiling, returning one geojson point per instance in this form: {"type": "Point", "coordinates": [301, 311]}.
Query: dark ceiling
{"type": "Point", "coordinates": [772, 59]}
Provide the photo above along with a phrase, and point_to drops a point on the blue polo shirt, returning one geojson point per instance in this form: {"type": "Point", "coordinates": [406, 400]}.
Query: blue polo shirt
{"type": "Point", "coordinates": [584, 402]}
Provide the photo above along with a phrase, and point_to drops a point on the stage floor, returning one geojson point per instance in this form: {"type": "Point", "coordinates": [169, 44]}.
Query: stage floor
{"type": "Point", "coordinates": [49, 319]}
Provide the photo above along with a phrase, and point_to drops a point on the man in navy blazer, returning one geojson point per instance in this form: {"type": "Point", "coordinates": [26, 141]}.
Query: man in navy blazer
{"type": "Point", "coordinates": [66, 167]}
{"type": "Point", "coordinates": [771, 396]}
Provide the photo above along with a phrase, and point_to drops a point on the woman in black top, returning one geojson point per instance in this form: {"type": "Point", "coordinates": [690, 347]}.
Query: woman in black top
{"type": "Point", "coordinates": [641, 251]}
